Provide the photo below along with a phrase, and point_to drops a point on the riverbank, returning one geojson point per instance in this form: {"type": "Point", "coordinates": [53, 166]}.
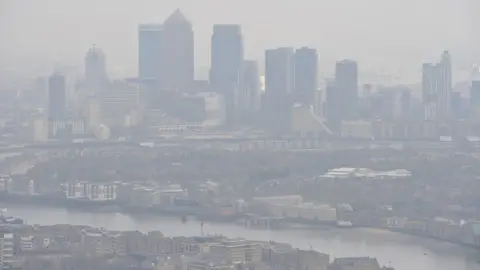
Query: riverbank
{"type": "Point", "coordinates": [404, 251]}
{"type": "Point", "coordinates": [184, 213]}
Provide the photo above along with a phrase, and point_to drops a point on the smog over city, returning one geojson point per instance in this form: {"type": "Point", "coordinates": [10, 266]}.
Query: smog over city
{"type": "Point", "coordinates": [248, 135]}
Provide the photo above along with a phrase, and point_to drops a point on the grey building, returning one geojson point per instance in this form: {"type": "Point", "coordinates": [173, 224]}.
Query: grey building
{"type": "Point", "coordinates": [279, 86]}
{"type": "Point", "coordinates": [249, 95]}
{"type": "Point", "coordinates": [279, 72]}
{"type": "Point", "coordinates": [306, 75]}
{"type": "Point", "coordinates": [56, 97]}
{"type": "Point", "coordinates": [346, 83]}
{"type": "Point", "coordinates": [96, 76]}
{"type": "Point", "coordinates": [150, 52]}
{"type": "Point", "coordinates": [437, 89]}
{"type": "Point", "coordinates": [177, 65]}
{"type": "Point", "coordinates": [226, 64]}
{"type": "Point", "coordinates": [475, 93]}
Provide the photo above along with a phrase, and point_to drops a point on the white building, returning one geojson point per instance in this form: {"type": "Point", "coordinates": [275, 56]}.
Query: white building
{"type": "Point", "coordinates": [346, 172]}
{"type": "Point", "coordinates": [6, 249]}
{"type": "Point", "coordinates": [91, 191]}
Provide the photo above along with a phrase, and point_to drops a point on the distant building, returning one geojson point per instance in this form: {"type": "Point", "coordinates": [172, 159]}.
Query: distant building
{"type": "Point", "coordinates": [475, 99]}
{"type": "Point", "coordinates": [6, 250]}
{"type": "Point", "coordinates": [66, 128]}
{"type": "Point", "coordinates": [360, 263]}
{"type": "Point", "coordinates": [237, 251]}
{"type": "Point", "coordinates": [226, 64]}
{"type": "Point", "coordinates": [120, 105]}
{"type": "Point", "coordinates": [306, 75]}
{"type": "Point", "coordinates": [56, 97]}
{"type": "Point", "coordinates": [205, 108]}
{"type": "Point", "coordinates": [96, 76]}
{"type": "Point", "coordinates": [346, 84]}
{"type": "Point", "coordinates": [91, 191]}
{"type": "Point", "coordinates": [150, 44]}
{"type": "Point", "coordinates": [437, 89]}
{"type": "Point", "coordinates": [279, 86]}
{"type": "Point", "coordinates": [177, 65]}
{"type": "Point", "coordinates": [40, 130]}
{"type": "Point", "coordinates": [249, 94]}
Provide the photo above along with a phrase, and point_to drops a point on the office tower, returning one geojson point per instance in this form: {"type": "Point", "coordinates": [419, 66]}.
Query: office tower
{"type": "Point", "coordinates": [279, 72]}
{"type": "Point", "coordinates": [475, 99]}
{"type": "Point", "coordinates": [445, 86]}
{"type": "Point", "coordinates": [249, 96]}
{"type": "Point", "coordinates": [150, 52]}
{"type": "Point", "coordinates": [346, 83]}
{"type": "Point", "coordinates": [332, 108]}
{"type": "Point", "coordinates": [96, 76]}
{"type": "Point", "coordinates": [56, 97]}
{"type": "Point", "coordinates": [475, 93]}
{"type": "Point", "coordinates": [226, 64]}
{"type": "Point", "coordinates": [226, 57]}
{"type": "Point", "coordinates": [279, 85]}
{"type": "Point", "coordinates": [177, 65]}
{"type": "Point", "coordinates": [437, 89]}
{"type": "Point", "coordinates": [306, 76]}
{"type": "Point", "coordinates": [406, 103]}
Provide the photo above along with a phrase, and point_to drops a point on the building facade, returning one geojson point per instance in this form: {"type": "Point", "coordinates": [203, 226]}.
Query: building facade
{"type": "Point", "coordinates": [306, 75]}
{"type": "Point", "coordinates": [57, 92]}
{"type": "Point", "coordinates": [226, 64]}
{"type": "Point", "coordinates": [177, 65]}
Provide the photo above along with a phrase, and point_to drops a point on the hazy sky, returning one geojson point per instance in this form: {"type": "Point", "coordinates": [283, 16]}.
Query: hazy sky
{"type": "Point", "coordinates": [378, 33]}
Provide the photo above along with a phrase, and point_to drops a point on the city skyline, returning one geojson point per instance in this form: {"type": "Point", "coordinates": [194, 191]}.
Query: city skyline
{"type": "Point", "coordinates": [385, 55]}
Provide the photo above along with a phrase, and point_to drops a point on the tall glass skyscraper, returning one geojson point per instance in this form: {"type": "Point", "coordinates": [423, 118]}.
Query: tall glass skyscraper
{"type": "Point", "coordinates": [346, 84]}
{"type": "Point", "coordinates": [177, 64]}
{"type": "Point", "coordinates": [56, 97]}
{"type": "Point", "coordinates": [306, 75]}
{"type": "Point", "coordinates": [150, 52]}
{"type": "Point", "coordinates": [226, 64]}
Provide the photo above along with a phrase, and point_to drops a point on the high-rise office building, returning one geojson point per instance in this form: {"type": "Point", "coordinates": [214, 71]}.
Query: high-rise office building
{"type": "Point", "coordinates": [56, 97]}
{"type": "Point", "coordinates": [226, 56]}
{"type": "Point", "coordinates": [306, 75]}
{"type": "Point", "coordinates": [475, 93]}
{"type": "Point", "coordinates": [279, 72]}
{"type": "Point", "coordinates": [226, 64]}
{"type": "Point", "coordinates": [279, 86]}
{"type": "Point", "coordinates": [437, 89]}
{"type": "Point", "coordinates": [150, 52]}
{"type": "Point", "coordinates": [177, 65]}
{"type": "Point", "coordinates": [475, 99]}
{"type": "Point", "coordinates": [249, 95]}
{"type": "Point", "coordinates": [445, 86]}
{"type": "Point", "coordinates": [96, 76]}
{"type": "Point", "coordinates": [346, 83]}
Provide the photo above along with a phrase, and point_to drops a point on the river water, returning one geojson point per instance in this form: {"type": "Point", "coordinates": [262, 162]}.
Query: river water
{"type": "Point", "coordinates": [402, 251]}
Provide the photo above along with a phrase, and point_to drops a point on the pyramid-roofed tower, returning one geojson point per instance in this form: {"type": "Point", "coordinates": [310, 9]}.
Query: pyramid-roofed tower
{"type": "Point", "coordinates": [177, 18]}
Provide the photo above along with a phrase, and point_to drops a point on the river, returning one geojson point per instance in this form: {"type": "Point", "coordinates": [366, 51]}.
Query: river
{"type": "Point", "coordinates": [403, 251]}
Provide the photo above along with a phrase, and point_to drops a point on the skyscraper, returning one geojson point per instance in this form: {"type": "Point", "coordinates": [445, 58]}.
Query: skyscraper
{"type": "Point", "coordinates": [249, 94]}
{"type": "Point", "coordinates": [226, 64]}
{"type": "Point", "coordinates": [279, 85]}
{"type": "Point", "coordinates": [150, 52]}
{"type": "Point", "coordinates": [56, 97]}
{"type": "Point", "coordinates": [437, 89]}
{"type": "Point", "coordinates": [475, 93]}
{"type": "Point", "coordinates": [177, 65]}
{"type": "Point", "coordinates": [346, 83]}
{"type": "Point", "coordinates": [306, 75]}
{"type": "Point", "coordinates": [96, 76]}
{"type": "Point", "coordinates": [279, 72]}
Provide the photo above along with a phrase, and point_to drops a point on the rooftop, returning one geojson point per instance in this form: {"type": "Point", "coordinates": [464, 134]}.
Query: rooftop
{"type": "Point", "coordinates": [177, 18]}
